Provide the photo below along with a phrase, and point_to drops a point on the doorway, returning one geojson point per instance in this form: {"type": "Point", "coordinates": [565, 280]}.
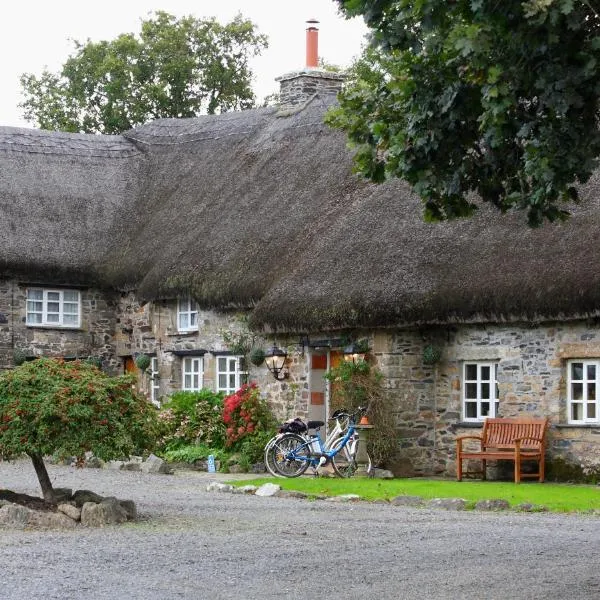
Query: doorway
{"type": "Point", "coordinates": [321, 360]}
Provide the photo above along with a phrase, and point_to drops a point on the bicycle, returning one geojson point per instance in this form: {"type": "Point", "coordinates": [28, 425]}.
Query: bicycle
{"type": "Point", "coordinates": [298, 427]}
{"type": "Point", "coordinates": [294, 453]}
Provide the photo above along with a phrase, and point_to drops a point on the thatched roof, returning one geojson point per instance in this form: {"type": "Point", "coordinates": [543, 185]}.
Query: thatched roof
{"type": "Point", "coordinates": [261, 210]}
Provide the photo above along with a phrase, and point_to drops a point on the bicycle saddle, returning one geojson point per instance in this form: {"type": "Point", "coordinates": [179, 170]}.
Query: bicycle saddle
{"type": "Point", "coordinates": [315, 424]}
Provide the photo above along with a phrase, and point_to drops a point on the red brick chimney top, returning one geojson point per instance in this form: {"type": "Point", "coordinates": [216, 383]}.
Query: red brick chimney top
{"type": "Point", "coordinates": [312, 44]}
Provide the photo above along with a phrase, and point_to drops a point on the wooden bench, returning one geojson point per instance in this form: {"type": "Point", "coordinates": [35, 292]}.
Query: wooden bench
{"type": "Point", "coordinates": [517, 439]}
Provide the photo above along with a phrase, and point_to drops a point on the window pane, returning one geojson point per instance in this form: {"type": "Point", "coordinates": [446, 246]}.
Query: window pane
{"type": "Point", "coordinates": [193, 319]}
{"type": "Point", "coordinates": [485, 409]}
{"type": "Point", "coordinates": [70, 320]}
{"type": "Point", "coordinates": [71, 296]}
{"type": "Point", "coordinates": [471, 390]}
{"type": "Point", "coordinates": [232, 381]}
{"type": "Point", "coordinates": [35, 294]}
{"type": "Point", "coordinates": [53, 296]}
{"type": "Point", "coordinates": [485, 390]}
{"type": "Point", "coordinates": [52, 318]}
{"type": "Point", "coordinates": [471, 372]}
{"type": "Point", "coordinates": [183, 321]}
{"type": "Point", "coordinates": [485, 373]}
{"type": "Point", "coordinates": [70, 307]}
{"type": "Point", "coordinates": [222, 362]}
{"type": "Point", "coordinates": [34, 318]}
{"type": "Point", "coordinates": [195, 381]}
{"type": "Point", "coordinates": [591, 371]}
{"type": "Point", "coordinates": [232, 363]}
{"type": "Point", "coordinates": [577, 391]}
{"type": "Point", "coordinates": [471, 410]}
{"type": "Point", "coordinates": [53, 307]}
{"type": "Point", "coordinates": [577, 371]}
{"type": "Point", "coordinates": [222, 381]}
{"type": "Point", "coordinates": [577, 412]}
{"type": "Point", "coordinates": [591, 391]}
{"type": "Point", "coordinates": [591, 410]}
{"type": "Point", "coordinates": [187, 382]}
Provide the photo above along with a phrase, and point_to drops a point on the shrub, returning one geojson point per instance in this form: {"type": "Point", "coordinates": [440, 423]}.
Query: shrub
{"type": "Point", "coordinates": [245, 414]}
{"type": "Point", "coordinates": [192, 418]}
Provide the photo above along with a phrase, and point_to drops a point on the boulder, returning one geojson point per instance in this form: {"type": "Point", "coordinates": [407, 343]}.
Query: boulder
{"type": "Point", "coordinates": [73, 512]}
{"type": "Point", "coordinates": [80, 497]}
{"type": "Point", "coordinates": [267, 489]}
{"type": "Point", "coordinates": [108, 512]}
{"type": "Point", "coordinates": [154, 464]}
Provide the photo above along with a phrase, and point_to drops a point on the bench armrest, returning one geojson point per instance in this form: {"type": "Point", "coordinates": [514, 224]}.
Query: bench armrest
{"type": "Point", "coordinates": [460, 439]}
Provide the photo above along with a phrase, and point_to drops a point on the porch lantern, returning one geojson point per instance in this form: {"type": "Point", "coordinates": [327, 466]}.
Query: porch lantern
{"type": "Point", "coordinates": [275, 359]}
{"type": "Point", "coordinates": [354, 353]}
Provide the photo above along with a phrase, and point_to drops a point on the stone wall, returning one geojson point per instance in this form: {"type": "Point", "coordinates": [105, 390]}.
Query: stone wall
{"type": "Point", "coordinates": [95, 336]}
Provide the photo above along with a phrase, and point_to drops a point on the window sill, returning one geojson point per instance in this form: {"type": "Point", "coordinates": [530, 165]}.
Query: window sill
{"type": "Point", "coordinates": [183, 332]}
{"type": "Point", "coordinates": [469, 424]}
{"type": "Point", "coordinates": [54, 327]}
{"type": "Point", "coordinates": [577, 426]}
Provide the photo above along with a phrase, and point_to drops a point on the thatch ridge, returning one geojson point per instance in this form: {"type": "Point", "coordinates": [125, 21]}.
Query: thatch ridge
{"type": "Point", "coordinates": [260, 209]}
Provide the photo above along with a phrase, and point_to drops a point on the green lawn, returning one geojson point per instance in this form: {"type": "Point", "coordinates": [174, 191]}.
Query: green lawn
{"type": "Point", "coordinates": [556, 497]}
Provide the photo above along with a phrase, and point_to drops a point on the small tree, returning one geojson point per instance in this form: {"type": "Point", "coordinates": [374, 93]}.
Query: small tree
{"type": "Point", "coordinates": [52, 407]}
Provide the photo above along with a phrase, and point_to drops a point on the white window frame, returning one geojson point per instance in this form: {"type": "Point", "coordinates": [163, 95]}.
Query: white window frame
{"type": "Point", "coordinates": [233, 373]}
{"type": "Point", "coordinates": [588, 398]}
{"type": "Point", "coordinates": [192, 367]}
{"type": "Point", "coordinates": [479, 398]}
{"type": "Point", "coordinates": [187, 309]}
{"type": "Point", "coordinates": [40, 302]}
{"type": "Point", "coordinates": [154, 381]}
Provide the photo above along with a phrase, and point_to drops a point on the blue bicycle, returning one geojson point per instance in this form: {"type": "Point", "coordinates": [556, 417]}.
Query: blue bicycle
{"type": "Point", "coordinates": [293, 453]}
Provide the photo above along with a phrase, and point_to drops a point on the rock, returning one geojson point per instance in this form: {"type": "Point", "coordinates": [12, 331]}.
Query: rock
{"type": "Point", "coordinates": [14, 515]}
{"type": "Point", "coordinates": [130, 509]}
{"type": "Point", "coordinates": [108, 512]}
{"type": "Point", "coordinates": [407, 501]}
{"type": "Point", "coordinates": [114, 465]}
{"type": "Point", "coordinates": [131, 466]}
{"type": "Point", "coordinates": [381, 474]}
{"type": "Point", "coordinates": [216, 486]}
{"type": "Point", "coordinates": [527, 507]}
{"type": "Point", "coordinates": [93, 462]}
{"type": "Point", "coordinates": [154, 464]}
{"type": "Point", "coordinates": [73, 512]}
{"type": "Point", "coordinates": [492, 504]}
{"type": "Point", "coordinates": [62, 495]}
{"type": "Point", "coordinates": [291, 494]}
{"type": "Point", "coordinates": [448, 503]}
{"type": "Point", "coordinates": [245, 489]}
{"type": "Point", "coordinates": [258, 468]}
{"type": "Point", "coordinates": [344, 498]}
{"type": "Point", "coordinates": [50, 520]}
{"type": "Point", "coordinates": [267, 489]}
{"type": "Point", "coordinates": [235, 469]}
{"type": "Point", "coordinates": [80, 497]}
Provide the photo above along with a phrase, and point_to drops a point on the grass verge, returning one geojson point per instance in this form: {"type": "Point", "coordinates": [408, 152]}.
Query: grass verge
{"type": "Point", "coordinates": [556, 497]}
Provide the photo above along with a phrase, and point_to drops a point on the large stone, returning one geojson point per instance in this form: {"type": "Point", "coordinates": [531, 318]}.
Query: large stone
{"type": "Point", "coordinates": [245, 489]}
{"type": "Point", "coordinates": [216, 486]}
{"type": "Point", "coordinates": [267, 489]}
{"type": "Point", "coordinates": [130, 509]}
{"type": "Point", "coordinates": [344, 498]}
{"type": "Point", "coordinates": [62, 495]}
{"type": "Point", "coordinates": [80, 497]}
{"type": "Point", "coordinates": [14, 515]}
{"type": "Point", "coordinates": [448, 503]}
{"type": "Point", "coordinates": [50, 520]}
{"type": "Point", "coordinates": [154, 464]}
{"type": "Point", "coordinates": [73, 512]}
{"type": "Point", "coordinates": [407, 501]}
{"type": "Point", "coordinates": [108, 512]}
{"type": "Point", "coordinates": [492, 504]}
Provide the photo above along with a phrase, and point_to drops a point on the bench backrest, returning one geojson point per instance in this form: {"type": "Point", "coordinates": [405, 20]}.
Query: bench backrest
{"type": "Point", "coordinates": [501, 433]}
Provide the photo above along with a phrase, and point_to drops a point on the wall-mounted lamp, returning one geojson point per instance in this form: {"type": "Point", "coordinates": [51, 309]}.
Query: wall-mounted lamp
{"type": "Point", "coordinates": [275, 359]}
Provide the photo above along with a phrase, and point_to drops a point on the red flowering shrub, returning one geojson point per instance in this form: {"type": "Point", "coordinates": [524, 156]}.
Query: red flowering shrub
{"type": "Point", "coordinates": [245, 414]}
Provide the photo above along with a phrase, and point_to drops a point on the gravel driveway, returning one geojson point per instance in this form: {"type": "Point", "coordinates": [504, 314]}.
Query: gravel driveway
{"type": "Point", "coordinates": [196, 544]}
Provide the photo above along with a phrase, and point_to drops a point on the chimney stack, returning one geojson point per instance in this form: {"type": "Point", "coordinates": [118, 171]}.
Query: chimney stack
{"type": "Point", "coordinates": [312, 44]}
{"type": "Point", "coordinates": [299, 87]}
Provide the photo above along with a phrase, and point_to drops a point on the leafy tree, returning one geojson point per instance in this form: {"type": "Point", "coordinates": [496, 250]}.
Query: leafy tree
{"type": "Point", "coordinates": [462, 96]}
{"type": "Point", "coordinates": [52, 407]}
{"type": "Point", "coordinates": [174, 68]}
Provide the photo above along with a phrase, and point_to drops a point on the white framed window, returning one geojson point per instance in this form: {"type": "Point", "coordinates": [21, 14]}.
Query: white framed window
{"type": "Point", "coordinates": [231, 373]}
{"type": "Point", "coordinates": [480, 390]}
{"type": "Point", "coordinates": [192, 373]}
{"type": "Point", "coordinates": [583, 390]}
{"type": "Point", "coordinates": [187, 315]}
{"type": "Point", "coordinates": [55, 308]}
{"type": "Point", "coordinates": [154, 381]}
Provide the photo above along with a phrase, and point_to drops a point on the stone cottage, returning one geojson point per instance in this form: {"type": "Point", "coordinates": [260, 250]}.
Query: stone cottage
{"type": "Point", "coordinates": [180, 236]}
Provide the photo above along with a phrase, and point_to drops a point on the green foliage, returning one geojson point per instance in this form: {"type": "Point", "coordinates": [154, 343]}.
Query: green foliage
{"type": "Point", "coordinates": [496, 98]}
{"type": "Point", "coordinates": [355, 384]}
{"type": "Point", "coordinates": [257, 356]}
{"type": "Point", "coordinates": [142, 361]}
{"type": "Point", "coordinates": [431, 354]}
{"type": "Point", "coordinates": [19, 357]}
{"type": "Point", "coordinates": [192, 418]}
{"type": "Point", "coordinates": [52, 407]}
{"type": "Point", "coordinates": [173, 68]}
{"type": "Point", "coordinates": [192, 453]}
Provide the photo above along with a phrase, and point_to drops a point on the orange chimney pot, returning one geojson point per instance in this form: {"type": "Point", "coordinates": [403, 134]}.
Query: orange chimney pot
{"type": "Point", "coordinates": [312, 44]}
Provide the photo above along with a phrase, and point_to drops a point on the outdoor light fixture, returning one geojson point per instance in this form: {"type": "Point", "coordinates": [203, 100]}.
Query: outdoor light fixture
{"type": "Point", "coordinates": [354, 352]}
{"type": "Point", "coordinates": [275, 360]}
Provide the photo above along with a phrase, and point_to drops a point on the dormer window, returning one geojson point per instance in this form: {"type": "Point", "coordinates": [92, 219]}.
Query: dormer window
{"type": "Point", "coordinates": [187, 315]}
{"type": "Point", "coordinates": [53, 308]}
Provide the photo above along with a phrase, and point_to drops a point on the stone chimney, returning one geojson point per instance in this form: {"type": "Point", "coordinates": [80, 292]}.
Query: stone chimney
{"type": "Point", "coordinates": [298, 87]}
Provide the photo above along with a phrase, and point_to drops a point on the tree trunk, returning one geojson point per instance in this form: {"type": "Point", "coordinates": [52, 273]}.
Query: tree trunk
{"type": "Point", "coordinates": [43, 477]}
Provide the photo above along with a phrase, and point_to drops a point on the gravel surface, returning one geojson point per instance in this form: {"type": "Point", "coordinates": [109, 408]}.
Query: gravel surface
{"type": "Point", "coordinates": [195, 544]}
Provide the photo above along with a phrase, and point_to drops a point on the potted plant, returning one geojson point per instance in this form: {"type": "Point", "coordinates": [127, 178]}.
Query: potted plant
{"type": "Point", "coordinates": [142, 361]}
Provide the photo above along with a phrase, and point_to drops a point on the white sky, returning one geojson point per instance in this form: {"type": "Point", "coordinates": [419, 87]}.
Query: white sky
{"type": "Point", "coordinates": [36, 34]}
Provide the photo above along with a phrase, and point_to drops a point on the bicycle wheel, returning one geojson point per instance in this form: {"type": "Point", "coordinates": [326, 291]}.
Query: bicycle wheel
{"type": "Point", "coordinates": [344, 462]}
{"type": "Point", "coordinates": [291, 455]}
{"type": "Point", "coordinates": [269, 457]}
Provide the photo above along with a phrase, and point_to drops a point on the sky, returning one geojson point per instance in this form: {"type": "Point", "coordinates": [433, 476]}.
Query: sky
{"type": "Point", "coordinates": [38, 34]}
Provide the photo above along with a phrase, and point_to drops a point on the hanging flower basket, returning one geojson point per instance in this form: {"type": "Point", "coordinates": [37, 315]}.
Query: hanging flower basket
{"type": "Point", "coordinates": [431, 354]}
{"type": "Point", "coordinates": [142, 361]}
{"type": "Point", "coordinates": [19, 357]}
{"type": "Point", "coordinates": [257, 357]}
